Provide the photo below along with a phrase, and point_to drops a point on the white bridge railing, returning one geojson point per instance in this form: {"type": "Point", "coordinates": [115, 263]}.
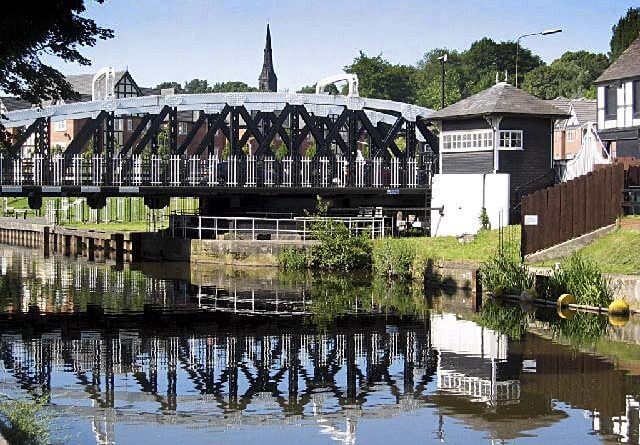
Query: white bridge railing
{"type": "Point", "coordinates": [248, 228]}
{"type": "Point", "coordinates": [196, 171]}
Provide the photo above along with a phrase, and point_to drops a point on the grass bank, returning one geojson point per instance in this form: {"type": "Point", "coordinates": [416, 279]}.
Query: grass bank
{"type": "Point", "coordinates": [614, 253]}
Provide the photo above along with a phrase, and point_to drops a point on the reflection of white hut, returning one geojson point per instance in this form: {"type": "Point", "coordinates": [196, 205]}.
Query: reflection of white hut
{"type": "Point", "coordinates": [469, 357]}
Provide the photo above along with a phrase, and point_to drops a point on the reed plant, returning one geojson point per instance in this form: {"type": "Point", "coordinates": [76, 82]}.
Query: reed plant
{"type": "Point", "coordinates": [581, 278]}
{"type": "Point", "coordinates": [505, 274]}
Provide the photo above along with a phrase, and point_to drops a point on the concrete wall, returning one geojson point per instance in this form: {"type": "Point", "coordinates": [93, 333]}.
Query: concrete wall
{"type": "Point", "coordinates": [463, 196]}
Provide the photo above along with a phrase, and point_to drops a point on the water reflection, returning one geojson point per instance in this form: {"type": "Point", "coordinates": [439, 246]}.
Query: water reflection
{"type": "Point", "coordinates": [345, 359]}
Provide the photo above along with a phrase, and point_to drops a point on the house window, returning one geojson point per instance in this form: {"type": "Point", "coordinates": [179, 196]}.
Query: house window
{"type": "Point", "coordinates": [60, 125]}
{"type": "Point", "coordinates": [610, 101]}
{"type": "Point", "coordinates": [117, 124]}
{"type": "Point", "coordinates": [474, 140]}
{"type": "Point", "coordinates": [510, 140]}
{"type": "Point", "coordinates": [570, 135]}
{"type": "Point", "coordinates": [636, 99]}
{"type": "Point", "coordinates": [182, 128]}
{"type": "Point", "coordinates": [129, 124]}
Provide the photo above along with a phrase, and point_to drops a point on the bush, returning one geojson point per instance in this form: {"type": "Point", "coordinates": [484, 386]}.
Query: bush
{"type": "Point", "coordinates": [337, 249]}
{"type": "Point", "coordinates": [582, 279]}
{"type": "Point", "coordinates": [394, 258]}
{"type": "Point", "coordinates": [506, 274]}
{"type": "Point", "coordinates": [291, 258]}
{"type": "Point", "coordinates": [25, 421]}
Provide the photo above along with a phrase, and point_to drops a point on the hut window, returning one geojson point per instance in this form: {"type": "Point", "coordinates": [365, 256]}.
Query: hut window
{"type": "Point", "coordinates": [610, 101]}
{"type": "Point", "coordinates": [474, 140]}
{"type": "Point", "coordinates": [511, 139]}
{"type": "Point", "coordinates": [636, 98]}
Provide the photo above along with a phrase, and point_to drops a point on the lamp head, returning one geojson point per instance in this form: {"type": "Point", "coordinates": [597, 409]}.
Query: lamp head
{"type": "Point", "coordinates": [550, 31]}
{"type": "Point", "coordinates": [443, 57]}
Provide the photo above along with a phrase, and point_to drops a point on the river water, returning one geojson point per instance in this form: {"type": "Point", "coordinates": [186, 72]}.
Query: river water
{"type": "Point", "coordinates": [165, 353]}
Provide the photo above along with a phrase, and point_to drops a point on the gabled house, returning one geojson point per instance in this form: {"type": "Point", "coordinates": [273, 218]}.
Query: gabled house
{"type": "Point", "coordinates": [569, 133]}
{"type": "Point", "coordinates": [495, 146]}
{"type": "Point", "coordinates": [619, 104]}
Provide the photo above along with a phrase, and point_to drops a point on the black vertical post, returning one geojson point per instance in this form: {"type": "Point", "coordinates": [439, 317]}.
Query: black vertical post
{"type": "Point", "coordinates": [211, 149]}
{"type": "Point", "coordinates": [173, 130]}
{"type": "Point", "coordinates": [294, 147]}
{"type": "Point", "coordinates": [442, 61]}
{"type": "Point", "coordinates": [234, 124]}
{"type": "Point", "coordinates": [353, 148]}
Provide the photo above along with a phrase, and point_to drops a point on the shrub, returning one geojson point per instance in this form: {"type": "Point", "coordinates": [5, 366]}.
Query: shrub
{"type": "Point", "coordinates": [291, 258]}
{"type": "Point", "coordinates": [394, 258]}
{"type": "Point", "coordinates": [582, 279]}
{"type": "Point", "coordinates": [25, 421]}
{"type": "Point", "coordinates": [337, 248]}
{"type": "Point", "coordinates": [506, 274]}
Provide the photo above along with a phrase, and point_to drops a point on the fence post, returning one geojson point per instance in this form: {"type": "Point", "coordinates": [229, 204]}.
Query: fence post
{"type": "Point", "coordinates": [199, 227]}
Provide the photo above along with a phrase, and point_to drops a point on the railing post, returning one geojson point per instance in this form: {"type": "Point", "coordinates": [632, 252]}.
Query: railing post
{"type": "Point", "coordinates": [199, 227]}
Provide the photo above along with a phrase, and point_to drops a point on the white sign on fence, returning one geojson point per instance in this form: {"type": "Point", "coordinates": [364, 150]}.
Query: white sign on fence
{"type": "Point", "coordinates": [530, 220]}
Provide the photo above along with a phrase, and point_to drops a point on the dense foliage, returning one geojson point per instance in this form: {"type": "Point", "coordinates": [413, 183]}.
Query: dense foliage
{"type": "Point", "coordinates": [337, 248]}
{"type": "Point", "coordinates": [624, 32]}
{"type": "Point", "coordinates": [506, 275]}
{"type": "Point", "coordinates": [198, 86]}
{"type": "Point", "coordinates": [394, 258]}
{"type": "Point", "coordinates": [582, 279]}
{"type": "Point", "coordinates": [27, 33]}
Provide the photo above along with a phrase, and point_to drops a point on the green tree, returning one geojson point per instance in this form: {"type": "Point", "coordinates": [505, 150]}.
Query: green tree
{"type": "Point", "coordinates": [231, 87]}
{"type": "Point", "coordinates": [311, 89]}
{"type": "Point", "coordinates": [197, 86]}
{"type": "Point", "coordinates": [571, 76]}
{"type": "Point", "coordinates": [382, 80]}
{"type": "Point", "coordinates": [30, 30]}
{"type": "Point", "coordinates": [427, 79]}
{"type": "Point", "coordinates": [624, 32]}
{"type": "Point", "coordinates": [176, 85]}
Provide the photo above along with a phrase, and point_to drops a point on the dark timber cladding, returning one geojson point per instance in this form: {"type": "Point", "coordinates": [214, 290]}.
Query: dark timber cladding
{"type": "Point", "coordinates": [500, 130]}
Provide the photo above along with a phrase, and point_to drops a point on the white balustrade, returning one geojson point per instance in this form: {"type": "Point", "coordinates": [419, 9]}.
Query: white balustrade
{"type": "Point", "coordinates": [38, 162]}
{"type": "Point", "coordinates": [17, 171]}
{"type": "Point", "coordinates": [2, 163]}
{"type": "Point", "coordinates": [324, 171]}
{"type": "Point", "coordinates": [174, 170]}
{"type": "Point", "coordinates": [306, 172]}
{"type": "Point", "coordinates": [137, 170]}
{"type": "Point", "coordinates": [232, 171]}
{"type": "Point", "coordinates": [412, 167]}
{"type": "Point", "coordinates": [212, 170]}
{"type": "Point", "coordinates": [57, 168]}
{"type": "Point", "coordinates": [360, 172]}
{"type": "Point", "coordinates": [269, 172]}
{"type": "Point", "coordinates": [155, 170]}
{"type": "Point", "coordinates": [116, 170]}
{"type": "Point", "coordinates": [97, 173]}
{"type": "Point", "coordinates": [395, 172]}
{"type": "Point", "coordinates": [251, 171]}
{"type": "Point", "coordinates": [377, 172]}
{"type": "Point", "coordinates": [287, 171]}
{"type": "Point", "coordinates": [194, 171]}
{"type": "Point", "coordinates": [342, 166]}
{"type": "Point", "coordinates": [77, 169]}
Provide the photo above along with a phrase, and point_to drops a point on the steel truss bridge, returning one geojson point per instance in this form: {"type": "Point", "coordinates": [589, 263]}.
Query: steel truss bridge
{"type": "Point", "coordinates": [362, 146]}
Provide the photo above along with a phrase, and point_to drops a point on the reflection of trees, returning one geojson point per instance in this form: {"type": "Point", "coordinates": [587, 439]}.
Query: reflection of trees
{"type": "Point", "coordinates": [580, 329]}
{"type": "Point", "coordinates": [506, 319]}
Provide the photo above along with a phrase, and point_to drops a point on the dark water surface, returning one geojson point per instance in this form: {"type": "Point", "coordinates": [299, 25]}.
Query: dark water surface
{"type": "Point", "coordinates": [162, 353]}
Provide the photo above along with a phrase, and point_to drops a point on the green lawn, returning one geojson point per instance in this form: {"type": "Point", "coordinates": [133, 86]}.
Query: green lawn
{"type": "Point", "coordinates": [616, 253]}
{"type": "Point", "coordinates": [448, 248]}
{"type": "Point", "coordinates": [113, 227]}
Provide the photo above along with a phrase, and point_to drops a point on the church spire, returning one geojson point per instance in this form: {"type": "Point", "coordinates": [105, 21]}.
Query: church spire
{"type": "Point", "coordinates": [268, 81]}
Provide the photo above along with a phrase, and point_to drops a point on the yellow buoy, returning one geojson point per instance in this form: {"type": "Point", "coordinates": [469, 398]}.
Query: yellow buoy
{"type": "Point", "coordinates": [566, 300]}
{"type": "Point", "coordinates": [618, 307]}
{"type": "Point", "coordinates": [618, 320]}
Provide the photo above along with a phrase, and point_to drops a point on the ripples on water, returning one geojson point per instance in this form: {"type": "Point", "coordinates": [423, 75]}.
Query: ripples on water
{"type": "Point", "coordinates": [164, 354]}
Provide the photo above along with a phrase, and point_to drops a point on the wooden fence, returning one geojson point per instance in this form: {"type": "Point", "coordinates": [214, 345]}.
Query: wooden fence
{"type": "Point", "coordinates": [573, 208]}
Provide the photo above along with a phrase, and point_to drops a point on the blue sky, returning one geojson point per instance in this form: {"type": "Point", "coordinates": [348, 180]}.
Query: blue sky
{"type": "Point", "coordinates": [223, 40]}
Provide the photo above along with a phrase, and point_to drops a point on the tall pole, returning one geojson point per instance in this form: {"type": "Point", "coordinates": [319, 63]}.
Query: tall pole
{"type": "Point", "coordinates": [543, 33]}
{"type": "Point", "coordinates": [442, 59]}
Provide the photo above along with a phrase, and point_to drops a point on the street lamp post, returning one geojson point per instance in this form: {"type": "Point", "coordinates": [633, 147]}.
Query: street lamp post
{"type": "Point", "coordinates": [442, 59]}
{"type": "Point", "coordinates": [543, 33]}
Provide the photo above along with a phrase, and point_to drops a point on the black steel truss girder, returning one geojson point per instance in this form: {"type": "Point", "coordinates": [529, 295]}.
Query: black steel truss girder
{"type": "Point", "coordinates": [136, 134]}
{"type": "Point", "coordinates": [192, 134]}
{"type": "Point", "coordinates": [375, 134]}
{"type": "Point", "coordinates": [337, 137]}
{"type": "Point", "coordinates": [152, 132]}
{"type": "Point", "coordinates": [428, 135]}
{"type": "Point", "coordinates": [217, 123]}
{"type": "Point", "coordinates": [79, 142]}
{"type": "Point", "coordinates": [14, 151]}
{"type": "Point", "coordinates": [173, 130]}
{"type": "Point", "coordinates": [277, 127]}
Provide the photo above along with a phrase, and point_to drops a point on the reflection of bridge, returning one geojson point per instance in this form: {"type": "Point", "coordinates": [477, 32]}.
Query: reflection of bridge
{"type": "Point", "coordinates": [362, 147]}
